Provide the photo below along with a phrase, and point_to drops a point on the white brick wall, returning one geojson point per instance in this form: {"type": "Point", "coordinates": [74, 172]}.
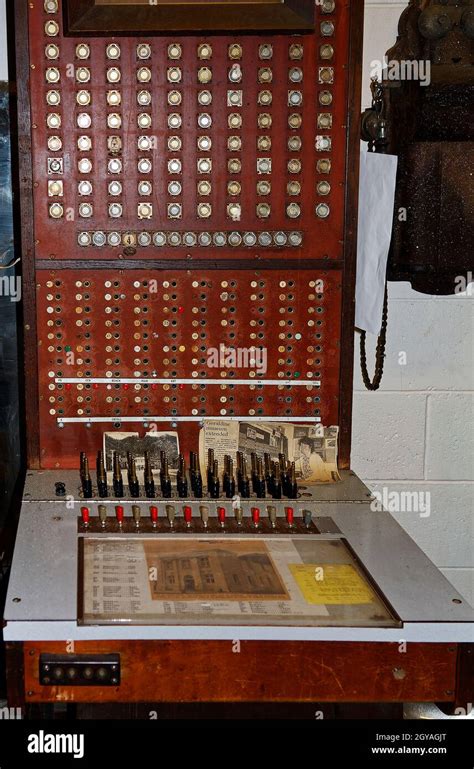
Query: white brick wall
{"type": "Point", "coordinates": [416, 433]}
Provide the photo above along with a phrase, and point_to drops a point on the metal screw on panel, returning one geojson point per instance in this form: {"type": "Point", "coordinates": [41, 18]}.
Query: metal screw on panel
{"type": "Point", "coordinates": [17, 600]}
{"type": "Point", "coordinates": [60, 489]}
{"type": "Point", "coordinates": [399, 674]}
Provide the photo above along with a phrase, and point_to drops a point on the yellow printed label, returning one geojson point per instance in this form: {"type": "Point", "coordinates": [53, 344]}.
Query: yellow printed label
{"type": "Point", "coordinates": [331, 584]}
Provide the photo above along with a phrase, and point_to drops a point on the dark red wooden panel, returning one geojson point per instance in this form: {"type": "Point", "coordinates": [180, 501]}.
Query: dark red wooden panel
{"type": "Point", "coordinates": [159, 327]}
{"type": "Point", "coordinates": [329, 239]}
{"type": "Point", "coordinates": [263, 671]}
{"type": "Point", "coordinates": [57, 239]}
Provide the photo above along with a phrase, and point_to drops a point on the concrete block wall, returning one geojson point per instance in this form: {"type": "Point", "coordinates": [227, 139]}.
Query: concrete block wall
{"type": "Point", "coordinates": [416, 434]}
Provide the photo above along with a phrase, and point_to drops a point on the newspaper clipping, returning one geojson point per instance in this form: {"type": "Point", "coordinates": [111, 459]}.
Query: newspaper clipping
{"type": "Point", "coordinates": [313, 448]}
{"type": "Point", "coordinates": [153, 443]}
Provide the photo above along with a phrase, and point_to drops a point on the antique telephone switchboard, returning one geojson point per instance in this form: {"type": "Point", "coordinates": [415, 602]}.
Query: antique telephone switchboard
{"type": "Point", "coordinates": [186, 193]}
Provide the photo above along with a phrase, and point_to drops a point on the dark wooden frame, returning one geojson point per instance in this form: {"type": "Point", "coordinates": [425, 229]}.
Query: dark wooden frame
{"type": "Point", "coordinates": [353, 110]}
{"type": "Point", "coordinates": [268, 671]}
{"type": "Point", "coordinates": [309, 681]}
{"type": "Point", "coordinates": [354, 65]}
{"type": "Point", "coordinates": [182, 264]}
{"type": "Point", "coordinates": [24, 236]}
{"type": "Point", "coordinates": [87, 17]}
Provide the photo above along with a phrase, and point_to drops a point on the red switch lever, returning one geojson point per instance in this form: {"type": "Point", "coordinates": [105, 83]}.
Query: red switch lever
{"type": "Point", "coordinates": [221, 515]}
{"type": "Point", "coordinates": [188, 514]}
{"type": "Point", "coordinates": [256, 515]}
{"type": "Point", "coordinates": [154, 514]}
{"type": "Point", "coordinates": [119, 512]}
{"type": "Point", "coordinates": [290, 515]}
{"type": "Point", "coordinates": [85, 515]}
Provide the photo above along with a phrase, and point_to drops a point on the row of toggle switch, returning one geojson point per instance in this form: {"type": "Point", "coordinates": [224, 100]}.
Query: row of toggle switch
{"type": "Point", "coordinates": [196, 520]}
{"type": "Point", "coordinates": [264, 476]}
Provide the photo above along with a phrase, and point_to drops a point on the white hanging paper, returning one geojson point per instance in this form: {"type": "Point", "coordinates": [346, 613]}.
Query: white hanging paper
{"type": "Point", "coordinates": [376, 201]}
